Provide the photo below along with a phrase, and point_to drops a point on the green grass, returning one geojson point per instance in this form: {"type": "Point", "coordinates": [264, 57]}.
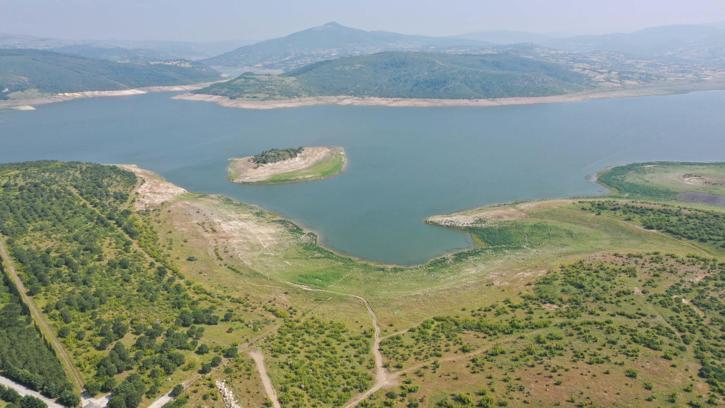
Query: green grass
{"type": "Point", "coordinates": [518, 234]}
{"type": "Point", "coordinates": [665, 180]}
{"type": "Point", "coordinates": [329, 167]}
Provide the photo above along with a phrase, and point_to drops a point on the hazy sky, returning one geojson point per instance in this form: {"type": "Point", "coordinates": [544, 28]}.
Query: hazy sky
{"type": "Point", "coordinates": [205, 20]}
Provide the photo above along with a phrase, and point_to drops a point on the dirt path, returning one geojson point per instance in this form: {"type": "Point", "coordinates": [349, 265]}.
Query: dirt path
{"type": "Point", "coordinates": [161, 401]}
{"type": "Point", "coordinates": [74, 375]}
{"type": "Point", "coordinates": [382, 377]}
{"type": "Point", "coordinates": [22, 390]}
{"type": "Point", "coordinates": [258, 358]}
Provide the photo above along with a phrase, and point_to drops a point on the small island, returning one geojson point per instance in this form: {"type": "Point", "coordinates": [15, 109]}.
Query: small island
{"type": "Point", "coordinates": [288, 165]}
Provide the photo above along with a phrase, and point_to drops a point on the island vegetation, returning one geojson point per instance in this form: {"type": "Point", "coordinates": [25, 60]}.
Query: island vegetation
{"type": "Point", "coordinates": [276, 155]}
{"type": "Point", "coordinates": [589, 302]}
{"type": "Point", "coordinates": [288, 165]}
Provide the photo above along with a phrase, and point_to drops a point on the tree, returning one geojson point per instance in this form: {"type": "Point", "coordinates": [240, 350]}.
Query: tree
{"type": "Point", "coordinates": [68, 398]}
{"type": "Point", "coordinates": [176, 391]}
{"type": "Point", "coordinates": [31, 402]}
{"type": "Point", "coordinates": [128, 394]}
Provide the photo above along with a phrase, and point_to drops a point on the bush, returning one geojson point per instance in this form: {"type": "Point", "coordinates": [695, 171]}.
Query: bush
{"type": "Point", "coordinates": [176, 391]}
{"type": "Point", "coordinates": [31, 402]}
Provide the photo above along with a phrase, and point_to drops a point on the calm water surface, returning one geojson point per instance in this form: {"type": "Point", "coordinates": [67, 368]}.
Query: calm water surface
{"type": "Point", "coordinates": [405, 163]}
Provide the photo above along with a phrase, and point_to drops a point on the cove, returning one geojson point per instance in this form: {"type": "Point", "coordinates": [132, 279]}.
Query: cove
{"type": "Point", "coordinates": [405, 164]}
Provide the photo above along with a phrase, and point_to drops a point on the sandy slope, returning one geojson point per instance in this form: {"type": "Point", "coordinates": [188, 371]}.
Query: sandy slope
{"type": "Point", "coordinates": [153, 189]}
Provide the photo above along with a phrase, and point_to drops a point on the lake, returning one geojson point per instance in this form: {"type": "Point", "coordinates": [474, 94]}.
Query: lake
{"type": "Point", "coordinates": [404, 163]}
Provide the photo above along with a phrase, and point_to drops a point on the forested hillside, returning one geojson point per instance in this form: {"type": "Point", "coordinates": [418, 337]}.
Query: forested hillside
{"type": "Point", "coordinates": [97, 272]}
{"type": "Point", "coordinates": [411, 75]}
{"type": "Point", "coordinates": [48, 72]}
{"type": "Point", "coordinates": [24, 355]}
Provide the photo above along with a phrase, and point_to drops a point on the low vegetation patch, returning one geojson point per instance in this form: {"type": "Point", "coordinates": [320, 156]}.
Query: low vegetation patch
{"type": "Point", "coordinates": [693, 224]}
{"type": "Point", "coordinates": [517, 234]}
{"type": "Point", "coordinates": [665, 180]}
{"type": "Point", "coordinates": [319, 363]}
{"type": "Point", "coordinates": [609, 315]}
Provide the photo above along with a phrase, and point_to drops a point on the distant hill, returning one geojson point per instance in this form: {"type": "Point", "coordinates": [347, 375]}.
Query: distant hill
{"type": "Point", "coordinates": [328, 41]}
{"type": "Point", "coordinates": [410, 75]}
{"type": "Point", "coordinates": [8, 40]}
{"type": "Point", "coordinates": [116, 54]}
{"type": "Point", "coordinates": [679, 43]}
{"type": "Point", "coordinates": [504, 37]}
{"type": "Point", "coordinates": [48, 72]}
{"type": "Point", "coordinates": [700, 44]}
{"type": "Point", "coordinates": [114, 50]}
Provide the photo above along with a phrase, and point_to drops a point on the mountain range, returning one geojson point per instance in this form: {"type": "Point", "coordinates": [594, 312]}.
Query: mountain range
{"type": "Point", "coordinates": [318, 60]}
{"type": "Point", "coordinates": [700, 44]}
{"type": "Point", "coordinates": [331, 40]}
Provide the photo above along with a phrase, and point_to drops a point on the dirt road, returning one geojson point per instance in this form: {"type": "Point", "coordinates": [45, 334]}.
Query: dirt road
{"type": "Point", "coordinates": [258, 358]}
{"type": "Point", "coordinates": [382, 377]}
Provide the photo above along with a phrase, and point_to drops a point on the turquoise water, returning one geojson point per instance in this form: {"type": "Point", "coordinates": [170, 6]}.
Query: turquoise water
{"type": "Point", "coordinates": [405, 163]}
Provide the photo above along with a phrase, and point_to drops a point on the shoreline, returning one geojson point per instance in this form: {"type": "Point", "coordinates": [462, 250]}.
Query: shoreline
{"type": "Point", "coordinates": [29, 104]}
{"type": "Point", "coordinates": [177, 191]}
{"type": "Point", "coordinates": [655, 90]}
{"type": "Point", "coordinates": [457, 220]}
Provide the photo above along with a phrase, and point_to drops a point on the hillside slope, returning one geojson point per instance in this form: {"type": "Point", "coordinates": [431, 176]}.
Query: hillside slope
{"type": "Point", "coordinates": [702, 44]}
{"type": "Point", "coordinates": [410, 75]}
{"type": "Point", "coordinates": [592, 302]}
{"type": "Point", "coordinates": [49, 72]}
{"type": "Point", "coordinates": [328, 41]}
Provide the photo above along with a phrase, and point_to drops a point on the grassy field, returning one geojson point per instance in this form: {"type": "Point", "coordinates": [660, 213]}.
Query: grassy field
{"type": "Point", "coordinates": [601, 302]}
